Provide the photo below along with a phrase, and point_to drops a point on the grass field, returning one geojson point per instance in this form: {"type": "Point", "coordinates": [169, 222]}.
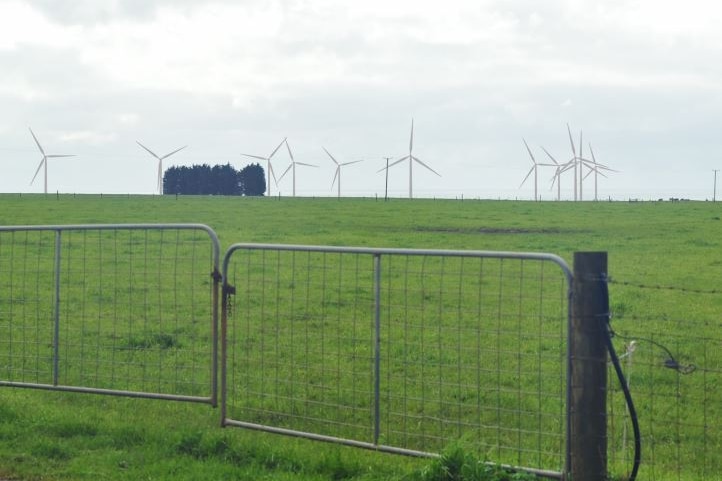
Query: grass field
{"type": "Point", "coordinates": [72, 436]}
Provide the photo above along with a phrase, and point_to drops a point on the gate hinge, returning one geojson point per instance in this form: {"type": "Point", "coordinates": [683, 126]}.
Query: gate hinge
{"type": "Point", "coordinates": [216, 276]}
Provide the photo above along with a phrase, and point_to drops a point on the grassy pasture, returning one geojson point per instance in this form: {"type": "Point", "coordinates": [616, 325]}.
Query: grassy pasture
{"type": "Point", "coordinates": [74, 436]}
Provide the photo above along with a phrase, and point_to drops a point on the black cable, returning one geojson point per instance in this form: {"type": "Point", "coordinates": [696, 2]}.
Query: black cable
{"type": "Point", "coordinates": [630, 403]}
{"type": "Point", "coordinates": [608, 334]}
{"type": "Point", "coordinates": [670, 362]}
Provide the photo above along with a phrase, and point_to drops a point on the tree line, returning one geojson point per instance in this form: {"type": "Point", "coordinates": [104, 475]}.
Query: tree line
{"type": "Point", "coordinates": [217, 180]}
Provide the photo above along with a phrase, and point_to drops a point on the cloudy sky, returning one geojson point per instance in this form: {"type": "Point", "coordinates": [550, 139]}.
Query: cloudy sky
{"type": "Point", "coordinates": [641, 78]}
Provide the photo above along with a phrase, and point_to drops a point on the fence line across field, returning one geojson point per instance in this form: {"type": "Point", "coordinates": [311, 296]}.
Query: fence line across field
{"type": "Point", "coordinates": [126, 309]}
{"type": "Point", "coordinates": [400, 350]}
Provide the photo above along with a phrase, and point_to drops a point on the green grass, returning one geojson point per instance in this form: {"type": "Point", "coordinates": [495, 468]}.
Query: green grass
{"type": "Point", "coordinates": [72, 436]}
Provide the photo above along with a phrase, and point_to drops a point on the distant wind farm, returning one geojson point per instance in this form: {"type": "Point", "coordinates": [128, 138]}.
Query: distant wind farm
{"type": "Point", "coordinates": [578, 168]}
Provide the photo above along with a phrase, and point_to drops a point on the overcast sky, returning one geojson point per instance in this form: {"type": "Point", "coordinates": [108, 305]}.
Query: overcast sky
{"type": "Point", "coordinates": [642, 79]}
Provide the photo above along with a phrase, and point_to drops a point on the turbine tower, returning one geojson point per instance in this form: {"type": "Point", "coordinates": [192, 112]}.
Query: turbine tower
{"type": "Point", "coordinates": [411, 158]}
{"type": "Point", "coordinates": [44, 162]}
{"type": "Point", "coordinates": [160, 164]}
{"type": "Point", "coordinates": [270, 166]}
{"type": "Point", "coordinates": [534, 168]}
{"type": "Point", "coordinates": [338, 170]}
{"type": "Point", "coordinates": [293, 166]}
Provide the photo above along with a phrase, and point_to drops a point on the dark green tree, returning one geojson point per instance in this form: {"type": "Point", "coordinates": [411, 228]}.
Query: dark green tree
{"type": "Point", "coordinates": [252, 180]}
{"type": "Point", "coordinates": [217, 180]}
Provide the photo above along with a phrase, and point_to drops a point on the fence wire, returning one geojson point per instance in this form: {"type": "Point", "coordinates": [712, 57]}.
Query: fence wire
{"type": "Point", "coordinates": [109, 309]}
{"type": "Point", "coordinates": [671, 348]}
{"type": "Point", "coordinates": [399, 351]}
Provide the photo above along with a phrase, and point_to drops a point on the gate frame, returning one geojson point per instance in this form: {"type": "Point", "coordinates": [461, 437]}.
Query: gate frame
{"type": "Point", "coordinates": [377, 253]}
{"type": "Point", "coordinates": [215, 275]}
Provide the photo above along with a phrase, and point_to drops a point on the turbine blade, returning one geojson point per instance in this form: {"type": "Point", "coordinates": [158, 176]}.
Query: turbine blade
{"type": "Point", "coordinates": [307, 165]}
{"type": "Point", "coordinates": [147, 149]}
{"type": "Point", "coordinates": [38, 170]}
{"type": "Point", "coordinates": [550, 156]}
{"type": "Point", "coordinates": [529, 150]}
{"type": "Point", "coordinates": [397, 161]}
{"type": "Point", "coordinates": [411, 139]}
{"type": "Point", "coordinates": [176, 150]}
{"type": "Point", "coordinates": [420, 162]}
{"type": "Point", "coordinates": [255, 156]}
{"type": "Point", "coordinates": [351, 162]}
{"type": "Point", "coordinates": [270, 168]}
{"type": "Point", "coordinates": [60, 155]}
{"type": "Point", "coordinates": [581, 145]}
{"type": "Point", "coordinates": [574, 151]}
{"type": "Point", "coordinates": [334, 176]}
{"type": "Point", "coordinates": [288, 147]}
{"type": "Point", "coordinates": [36, 141]}
{"type": "Point", "coordinates": [527, 176]}
{"type": "Point", "coordinates": [276, 149]}
{"type": "Point", "coordinates": [566, 167]}
{"type": "Point", "coordinates": [329, 154]}
{"type": "Point", "coordinates": [285, 171]}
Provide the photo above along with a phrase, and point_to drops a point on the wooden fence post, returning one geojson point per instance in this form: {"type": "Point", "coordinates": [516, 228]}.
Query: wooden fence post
{"type": "Point", "coordinates": [588, 366]}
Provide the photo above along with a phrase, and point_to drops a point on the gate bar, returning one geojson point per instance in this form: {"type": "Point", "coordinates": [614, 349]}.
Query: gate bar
{"type": "Point", "coordinates": [56, 313]}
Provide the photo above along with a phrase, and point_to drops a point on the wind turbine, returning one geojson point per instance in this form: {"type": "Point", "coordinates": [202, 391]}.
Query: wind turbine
{"type": "Point", "coordinates": [573, 161]}
{"type": "Point", "coordinates": [160, 163]}
{"type": "Point", "coordinates": [534, 168]}
{"type": "Point", "coordinates": [596, 168]}
{"type": "Point", "coordinates": [411, 158]}
{"type": "Point", "coordinates": [270, 166]}
{"type": "Point", "coordinates": [557, 174]}
{"type": "Point", "coordinates": [293, 166]}
{"type": "Point", "coordinates": [338, 170]}
{"type": "Point", "coordinates": [44, 162]}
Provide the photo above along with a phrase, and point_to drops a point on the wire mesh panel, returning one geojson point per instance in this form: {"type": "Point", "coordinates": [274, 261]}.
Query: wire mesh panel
{"type": "Point", "coordinates": [110, 309]}
{"type": "Point", "coordinates": [670, 347]}
{"type": "Point", "coordinates": [398, 350]}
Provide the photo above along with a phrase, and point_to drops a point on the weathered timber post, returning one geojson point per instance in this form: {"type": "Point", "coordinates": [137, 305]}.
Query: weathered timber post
{"type": "Point", "coordinates": [588, 366]}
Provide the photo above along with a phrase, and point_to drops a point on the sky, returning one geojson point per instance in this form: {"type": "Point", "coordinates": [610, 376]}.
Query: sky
{"type": "Point", "coordinates": [640, 80]}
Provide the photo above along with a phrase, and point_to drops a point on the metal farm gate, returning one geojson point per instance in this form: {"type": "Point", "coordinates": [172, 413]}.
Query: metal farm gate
{"type": "Point", "coordinates": [400, 350]}
{"type": "Point", "coordinates": [110, 309]}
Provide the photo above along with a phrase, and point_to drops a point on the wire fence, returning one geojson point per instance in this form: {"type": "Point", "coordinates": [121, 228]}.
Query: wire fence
{"type": "Point", "coordinates": [403, 351]}
{"type": "Point", "coordinates": [670, 343]}
{"type": "Point", "coordinates": [110, 309]}
{"type": "Point", "coordinates": [396, 350]}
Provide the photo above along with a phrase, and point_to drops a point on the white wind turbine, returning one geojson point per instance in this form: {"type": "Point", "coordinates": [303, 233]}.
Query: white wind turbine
{"type": "Point", "coordinates": [293, 166]}
{"type": "Point", "coordinates": [411, 158]}
{"type": "Point", "coordinates": [44, 162]}
{"type": "Point", "coordinates": [270, 166]}
{"type": "Point", "coordinates": [557, 174]}
{"type": "Point", "coordinates": [596, 168]}
{"type": "Point", "coordinates": [160, 163]}
{"type": "Point", "coordinates": [534, 168]}
{"type": "Point", "coordinates": [338, 170]}
{"type": "Point", "coordinates": [574, 160]}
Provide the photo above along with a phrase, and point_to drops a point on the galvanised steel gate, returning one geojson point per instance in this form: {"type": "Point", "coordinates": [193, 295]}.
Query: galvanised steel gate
{"type": "Point", "coordinates": [400, 350]}
{"type": "Point", "coordinates": [111, 309]}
